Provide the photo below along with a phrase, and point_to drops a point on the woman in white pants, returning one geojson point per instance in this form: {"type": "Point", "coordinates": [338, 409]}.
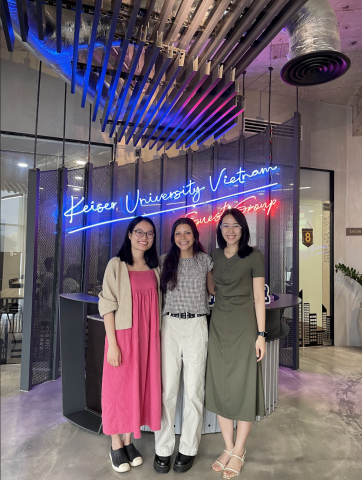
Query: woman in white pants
{"type": "Point", "coordinates": [186, 270]}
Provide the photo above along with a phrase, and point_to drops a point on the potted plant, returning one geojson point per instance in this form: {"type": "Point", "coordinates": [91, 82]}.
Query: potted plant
{"type": "Point", "coordinates": [352, 273]}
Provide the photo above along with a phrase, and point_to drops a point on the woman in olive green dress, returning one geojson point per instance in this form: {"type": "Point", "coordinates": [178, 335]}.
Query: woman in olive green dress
{"type": "Point", "coordinates": [234, 386]}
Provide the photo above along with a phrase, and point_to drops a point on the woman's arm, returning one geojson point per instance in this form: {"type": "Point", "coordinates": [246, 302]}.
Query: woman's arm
{"type": "Point", "coordinates": [259, 299]}
{"type": "Point", "coordinates": [210, 283]}
{"type": "Point", "coordinates": [114, 353]}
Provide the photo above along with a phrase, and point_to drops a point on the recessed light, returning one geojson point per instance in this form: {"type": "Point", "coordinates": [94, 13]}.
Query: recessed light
{"type": "Point", "coordinates": [80, 162]}
{"type": "Point", "coordinates": [291, 184]}
{"type": "Point", "coordinates": [310, 211]}
{"type": "Point", "coordinates": [78, 178]}
{"type": "Point", "coordinates": [23, 165]}
{"type": "Point", "coordinates": [303, 188]}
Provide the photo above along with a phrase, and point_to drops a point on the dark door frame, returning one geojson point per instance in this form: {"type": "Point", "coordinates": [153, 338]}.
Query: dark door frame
{"type": "Point", "coordinates": [331, 243]}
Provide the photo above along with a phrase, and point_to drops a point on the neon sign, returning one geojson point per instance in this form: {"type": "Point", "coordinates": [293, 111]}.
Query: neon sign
{"type": "Point", "coordinates": [186, 190]}
{"type": "Point", "coordinates": [189, 190]}
{"type": "Point", "coordinates": [266, 206]}
{"type": "Point", "coordinates": [240, 176]}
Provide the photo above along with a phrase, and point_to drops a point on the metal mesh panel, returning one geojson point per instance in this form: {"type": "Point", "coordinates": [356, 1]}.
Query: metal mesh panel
{"type": "Point", "coordinates": [151, 181]}
{"type": "Point", "coordinates": [175, 178]}
{"type": "Point", "coordinates": [100, 237]}
{"type": "Point", "coordinates": [126, 184]}
{"type": "Point", "coordinates": [228, 159]}
{"type": "Point", "coordinates": [73, 242]}
{"type": "Point", "coordinates": [43, 327]}
{"type": "Point", "coordinates": [281, 222]}
{"type": "Point", "coordinates": [202, 169]}
{"type": "Point", "coordinates": [256, 156]}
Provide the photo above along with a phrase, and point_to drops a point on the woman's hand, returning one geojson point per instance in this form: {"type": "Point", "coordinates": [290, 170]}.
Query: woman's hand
{"type": "Point", "coordinates": [114, 355]}
{"type": "Point", "coordinates": [260, 348]}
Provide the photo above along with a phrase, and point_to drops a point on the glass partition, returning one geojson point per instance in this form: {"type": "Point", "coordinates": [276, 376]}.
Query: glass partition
{"type": "Point", "coordinates": [17, 156]}
{"type": "Point", "coordinates": [314, 257]}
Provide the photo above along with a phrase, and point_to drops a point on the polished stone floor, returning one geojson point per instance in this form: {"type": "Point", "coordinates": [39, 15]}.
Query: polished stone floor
{"type": "Point", "coordinates": [314, 434]}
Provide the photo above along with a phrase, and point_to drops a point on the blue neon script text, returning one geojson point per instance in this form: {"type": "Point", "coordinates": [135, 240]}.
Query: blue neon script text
{"type": "Point", "coordinates": [188, 190]}
{"type": "Point", "coordinates": [239, 177]}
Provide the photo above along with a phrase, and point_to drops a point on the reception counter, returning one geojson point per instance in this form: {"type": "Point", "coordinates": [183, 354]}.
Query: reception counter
{"type": "Point", "coordinates": [82, 352]}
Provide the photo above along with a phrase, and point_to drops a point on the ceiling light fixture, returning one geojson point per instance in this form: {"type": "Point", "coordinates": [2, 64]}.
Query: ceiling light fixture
{"type": "Point", "coordinates": [80, 162]}
{"type": "Point", "coordinates": [23, 165]}
{"type": "Point", "coordinates": [9, 197]}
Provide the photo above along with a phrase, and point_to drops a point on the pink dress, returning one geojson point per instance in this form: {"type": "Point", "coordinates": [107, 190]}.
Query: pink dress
{"type": "Point", "coordinates": [131, 392]}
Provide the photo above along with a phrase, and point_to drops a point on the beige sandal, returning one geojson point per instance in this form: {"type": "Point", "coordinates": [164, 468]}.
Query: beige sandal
{"type": "Point", "coordinates": [237, 473]}
{"type": "Point", "coordinates": [221, 465]}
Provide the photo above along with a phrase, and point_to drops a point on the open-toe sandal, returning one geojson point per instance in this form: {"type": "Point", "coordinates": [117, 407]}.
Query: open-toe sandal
{"type": "Point", "coordinates": [236, 472]}
{"type": "Point", "coordinates": [219, 463]}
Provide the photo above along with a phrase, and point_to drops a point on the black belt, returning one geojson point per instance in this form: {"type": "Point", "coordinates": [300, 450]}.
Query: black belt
{"type": "Point", "coordinates": [185, 315]}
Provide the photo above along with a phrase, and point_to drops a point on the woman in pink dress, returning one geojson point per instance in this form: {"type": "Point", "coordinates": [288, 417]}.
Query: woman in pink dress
{"type": "Point", "coordinates": [130, 305]}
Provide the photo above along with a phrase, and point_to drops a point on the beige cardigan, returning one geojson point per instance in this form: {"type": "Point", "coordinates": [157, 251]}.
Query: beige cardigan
{"type": "Point", "coordinates": [116, 295]}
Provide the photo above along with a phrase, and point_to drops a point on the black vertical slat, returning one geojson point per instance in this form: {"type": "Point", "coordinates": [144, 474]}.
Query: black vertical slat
{"type": "Point", "coordinates": [7, 25]}
{"type": "Point", "coordinates": [215, 156]}
{"type": "Point", "coordinates": [78, 14]}
{"type": "Point", "coordinates": [87, 233]}
{"type": "Point", "coordinates": [139, 183]}
{"type": "Point", "coordinates": [23, 19]}
{"type": "Point", "coordinates": [58, 22]}
{"type": "Point", "coordinates": [59, 267]}
{"type": "Point", "coordinates": [296, 204]}
{"type": "Point", "coordinates": [163, 243]}
{"type": "Point", "coordinates": [40, 18]}
{"type": "Point", "coordinates": [113, 244]}
{"type": "Point", "coordinates": [331, 254]}
{"type": "Point", "coordinates": [189, 160]}
{"type": "Point", "coordinates": [267, 153]}
{"type": "Point", "coordinates": [241, 151]}
{"type": "Point", "coordinates": [30, 280]}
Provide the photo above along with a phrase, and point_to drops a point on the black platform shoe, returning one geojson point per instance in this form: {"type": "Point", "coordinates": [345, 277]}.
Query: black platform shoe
{"type": "Point", "coordinates": [162, 464]}
{"type": "Point", "coordinates": [183, 463]}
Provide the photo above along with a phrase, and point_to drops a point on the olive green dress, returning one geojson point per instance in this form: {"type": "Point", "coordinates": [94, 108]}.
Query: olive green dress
{"type": "Point", "coordinates": [234, 383]}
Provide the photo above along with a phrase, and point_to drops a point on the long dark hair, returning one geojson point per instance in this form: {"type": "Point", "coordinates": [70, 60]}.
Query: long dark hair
{"type": "Point", "coordinates": [170, 265]}
{"type": "Point", "coordinates": [244, 247]}
{"type": "Point", "coordinates": [125, 253]}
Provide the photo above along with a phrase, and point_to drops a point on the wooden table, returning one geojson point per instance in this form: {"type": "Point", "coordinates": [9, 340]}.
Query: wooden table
{"type": "Point", "coordinates": [12, 293]}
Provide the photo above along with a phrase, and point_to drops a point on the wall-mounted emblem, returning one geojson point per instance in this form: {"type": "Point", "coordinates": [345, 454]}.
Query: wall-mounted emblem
{"type": "Point", "coordinates": [307, 236]}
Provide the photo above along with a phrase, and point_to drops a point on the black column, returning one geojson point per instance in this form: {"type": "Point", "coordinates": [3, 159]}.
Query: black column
{"type": "Point", "coordinates": [296, 206]}
{"type": "Point", "coordinates": [59, 269]}
{"type": "Point", "coordinates": [87, 233]}
{"type": "Point", "coordinates": [30, 279]}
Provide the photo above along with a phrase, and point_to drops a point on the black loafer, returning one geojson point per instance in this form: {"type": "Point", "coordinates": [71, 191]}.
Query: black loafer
{"type": "Point", "coordinates": [162, 464]}
{"type": "Point", "coordinates": [183, 463]}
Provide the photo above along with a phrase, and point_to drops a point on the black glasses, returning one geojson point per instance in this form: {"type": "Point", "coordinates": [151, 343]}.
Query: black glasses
{"type": "Point", "coordinates": [141, 233]}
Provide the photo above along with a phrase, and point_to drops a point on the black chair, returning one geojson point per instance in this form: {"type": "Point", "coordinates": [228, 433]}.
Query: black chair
{"type": "Point", "coordinates": [13, 309]}
{"type": "Point", "coordinates": [15, 283]}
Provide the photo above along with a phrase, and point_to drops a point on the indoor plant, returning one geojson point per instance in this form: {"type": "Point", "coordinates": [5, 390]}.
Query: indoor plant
{"type": "Point", "coordinates": [352, 273]}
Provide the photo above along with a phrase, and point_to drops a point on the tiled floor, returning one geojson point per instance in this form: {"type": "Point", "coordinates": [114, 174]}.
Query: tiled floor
{"type": "Point", "coordinates": [314, 434]}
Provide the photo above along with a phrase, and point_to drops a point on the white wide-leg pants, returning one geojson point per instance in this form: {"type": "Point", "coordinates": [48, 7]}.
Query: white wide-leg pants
{"type": "Point", "coordinates": [183, 341]}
